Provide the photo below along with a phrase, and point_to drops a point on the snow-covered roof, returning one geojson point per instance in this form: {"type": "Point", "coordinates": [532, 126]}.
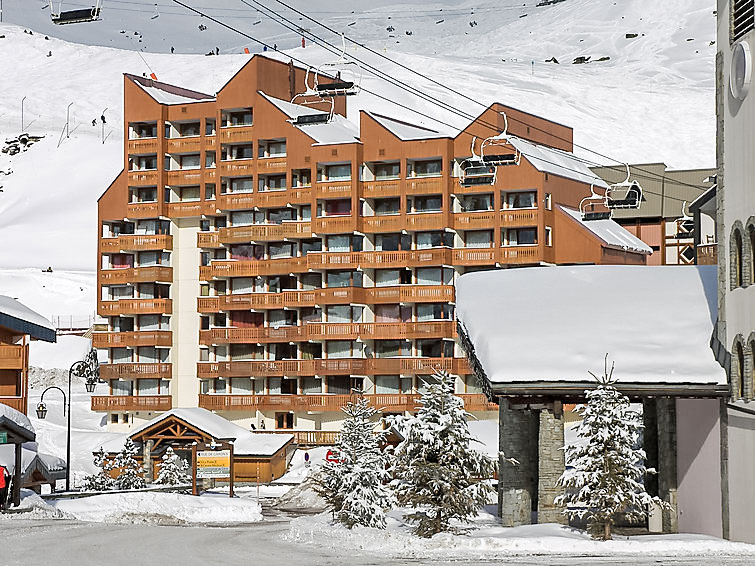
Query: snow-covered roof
{"type": "Point", "coordinates": [245, 443]}
{"type": "Point", "coordinates": [556, 162]}
{"type": "Point", "coordinates": [18, 317]}
{"type": "Point", "coordinates": [551, 325]}
{"type": "Point", "coordinates": [337, 130]}
{"type": "Point", "coordinates": [16, 422]}
{"type": "Point", "coordinates": [406, 130]}
{"type": "Point", "coordinates": [610, 232]}
{"type": "Point", "coordinates": [165, 97]}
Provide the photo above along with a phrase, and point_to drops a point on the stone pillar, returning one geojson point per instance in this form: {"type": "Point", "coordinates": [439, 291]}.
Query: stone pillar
{"type": "Point", "coordinates": [667, 479]}
{"type": "Point", "coordinates": [147, 461]}
{"type": "Point", "coordinates": [550, 464]}
{"type": "Point", "coordinates": [517, 483]}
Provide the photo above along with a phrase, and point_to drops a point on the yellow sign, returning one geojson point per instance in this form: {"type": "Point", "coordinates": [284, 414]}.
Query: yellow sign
{"type": "Point", "coordinates": [213, 464]}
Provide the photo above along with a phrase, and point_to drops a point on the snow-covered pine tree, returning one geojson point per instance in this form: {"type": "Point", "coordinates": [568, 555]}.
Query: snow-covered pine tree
{"type": "Point", "coordinates": [173, 470]}
{"type": "Point", "coordinates": [130, 471]}
{"type": "Point", "coordinates": [356, 487]}
{"type": "Point", "coordinates": [102, 480]}
{"type": "Point", "coordinates": [437, 472]}
{"type": "Point", "coordinates": [604, 480]}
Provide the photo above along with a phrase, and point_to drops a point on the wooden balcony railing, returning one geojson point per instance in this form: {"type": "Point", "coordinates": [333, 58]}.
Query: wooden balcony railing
{"type": "Point", "coordinates": [519, 217]}
{"type": "Point", "coordinates": [381, 189]}
{"type": "Point", "coordinates": [136, 243]}
{"type": "Point", "coordinates": [252, 335]}
{"type": "Point", "coordinates": [183, 145]}
{"type": "Point", "coordinates": [184, 177]}
{"type": "Point", "coordinates": [132, 339]}
{"type": "Point", "coordinates": [151, 274]}
{"type": "Point", "coordinates": [409, 294]}
{"type": "Point", "coordinates": [248, 301]}
{"type": "Point", "coordinates": [334, 224]}
{"type": "Point", "coordinates": [253, 268]}
{"type": "Point", "coordinates": [210, 143]}
{"type": "Point", "coordinates": [332, 366]}
{"type": "Point", "coordinates": [380, 224]}
{"type": "Point", "coordinates": [707, 254]}
{"type": "Point", "coordinates": [377, 260]}
{"type": "Point", "coordinates": [271, 165]}
{"type": "Point", "coordinates": [475, 256]}
{"type": "Point", "coordinates": [188, 209]}
{"type": "Point", "coordinates": [378, 330]}
{"type": "Point", "coordinates": [393, 402]}
{"type": "Point", "coordinates": [210, 173]}
{"type": "Point", "coordinates": [475, 220]}
{"type": "Point", "coordinates": [267, 199]}
{"type": "Point", "coordinates": [520, 254]}
{"type": "Point", "coordinates": [142, 146]}
{"type": "Point", "coordinates": [335, 189]}
{"type": "Point", "coordinates": [237, 168]}
{"type": "Point", "coordinates": [135, 306]}
{"type": "Point", "coordinates": [236, 133]}
{"type": "Point", "coordinates": [340, 296]}
{"type": "Point", "coordinates": [18, 403]}
{"type": "Point", "coordinates": [426, 221]}
{"type": "Point", "coordinates": [264, 232]}
{"type": "Point", "coordinates": [135, 371]}
{"type": "Point", "coordinates": [208, 240]}
{"type": "Point", "coordinates": [132, 403]}
{"type": "Point", "coordinates": [12, 356]}
{"type": "Point", "coordinates": [146, 178]}
{"type": "Point", "coordinates": [426, 186]}
{"type": "Point", "coordinates": [143, 210]}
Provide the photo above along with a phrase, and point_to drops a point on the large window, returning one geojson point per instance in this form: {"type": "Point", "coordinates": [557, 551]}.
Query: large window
{"type": "Point", "coordinates": [240, 185]}
{"type": "Point", "coordinates": [522, 199]}
{"type": "Point", "coordinates": [478, 238]}
{"type": "Point", "coordinates": [392, 348]}
{"type": "Point", "coordinates": [476, 203]}
{"type": "Point", "coordinates": [237, 117]}
{"type": "Point", "coordinates": [142, 162]}
{"type": "Point", "coordinates": [233, 152]}
{"type": "Point", "coordinates": [520, 236]}
{"type": "Point", "coordinates": [384, 171]}
{"type": "Point", "coordinates": [427, 240]}
{"type": "Point", "coordinates": [429, 203]}
{"type": "Point", "coordinates": [271, 148]}
{"type": "Point", "coordinates": [138, 130]}
{"type": "Point", "coordinates": [425, 168]}
{"type": "Point", "coordinates": [386, 206]}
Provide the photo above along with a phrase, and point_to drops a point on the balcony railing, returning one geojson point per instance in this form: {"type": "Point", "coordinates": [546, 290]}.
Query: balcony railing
{"type": "Point", "coordinates": [426, 221]}
{"type": "Point", "coordinates": [519, 217]}
{"type": "Point", "coordinates": [393, 402]}
{"type": "Point", "coordinates": [151, 274]}
{"type": "Point", "coordinates": [333, 366]}
{"type": "Point", "coordinates": [334, 224]}
{"type": "Point", "coordinates": [135, 371]}
{"type": "Point", "coordinates": [264, 232]}
{"type": "Point", "coordinates": [381, 189]}
{"type": "Point", "coordinates": [143, 210]}
{"type": "Point", "coordinates": [184, 177]}
{"type": "Point", "coordinates": [253, 268]}
{"type": "Point", "coordinates": [132, 403]}
{"type": "Point", "coordinates": [334, 189]}
{"type": "Point", "coordinates": [380, 224]}
{"type": "Point", "coordinates": [520, 254]}
{"type": "Point", "coordinates": [252, 335]}
{"type": "Point", "coordinates": [132, 339]}
{"type": "Point", "coordinates": [12, 356]}
{"type": "Point", "coordinates": [135, 306]}
{"type": "Point", "coordinates": [208, 240]}
{"type": "Point", "coordinates": [409, 294]}
{"type": "Point", "coordinates": [237, 167]}
{"type": "Point", "coordinates": [379, 259]}
{"type": "Point", "coordinates": [271, 165]}
{"type": "Point", "coordinates": [189, 209]}
{"type": "Point", "coordinates": [378, 330]}
{"type": "Point", "coordinates": [183, 145]}
{"type": "Point", "coordinates": [136, 243]}
{"type": "Point", "coordinates": [248, 301]}
{"type": "Point", "coordinates": [236, 133]}
{"type": "Point", "coordinates": [267, 199]}
{"type": "Point", "coordinates": [475, 256]}
{"type": "Point", "coordinates": [475, 220]}
{"type": "Point", "coordinates": [707, 254]}
{"type": "Point", "coordinates": [427, 186]}
{"type": "Point", "coordinates": [149, 177]}
{"type": "Point", "coordinates": [142, 146]}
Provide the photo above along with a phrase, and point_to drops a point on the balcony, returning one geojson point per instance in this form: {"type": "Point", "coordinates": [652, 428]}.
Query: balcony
{"type": "Point", "coordinates": [379, 330]}
{"type": "Point", "coordinates": [133, 243]}
{"type": "Point", "coordinates": [135, 371]}
{"type": "Point", "coordinates": [132, 339]}
{"type": "Point", "coordinates": [513, 218]}
{"type": "Point", "coordinates": [137, 210]}
{"type": "Point", "coordinates": [335, 189]}
{"type": "Point", "coordinates": [264, 232]}
{"type": "Point", "coordinates": [381, 224]}
{"type": "Point", "coordinates": [189, 209]}
{"type": "Point", "coordinates": [237, 168]}
{"type": "Point", "coordinates": [376, 260]}
{"type": "Point", "coordinates": [183, 145]}
{"type": "Point", "coordinates": [475, 220]}
{"type": "Point", "coordinates": [184, 177]}
{"type": "Point", "coordinates": [409, 294]}
{"type": "Point", "coordinates": [145, 178]}
{"type": "Point", "coordinates": [420, 221]}
{"type": "Point", "coordinates": [149, 274]}
{"type": "Point", "coordinates": [208, 240]}
{"type": "Point", "coordinates": [135, 306]}
{"type": "Point", "coordinates": [334, 224]}
{"type": "Point", "coordinates": [707, 254]}
{"type": "Point", "coordinates": [248, 301]}
{"type": "Point", "coordinates": [381, 189]}
{"type": "Point", "coordinates": [427, 186]}
{"type": "Point", "coordinates": [271, 165]}
{"type": "Point", "coordinates": [142, 146]}
{"type": "Point", "coordinates": [340, 296]}
{"type": "Point", "coordinates": [12, 356]}
{"type": "Point", "coordinates": [252, 335]}
{"type": "Point", "coordinates": [475, 256]}
{"type": "Point", "coordinates": [252, 268]}
{"type": "Point", "coordinates": [210, 143]}
{"type": "Point", "coordinates": [121, 403]}
{"type": "Point", "coordinates": [267, 199]}
{"type": "Point", "coordinates": [393, 402]}
{"type": "Point", "coordinates": [520, 254]}
{"type": "Point", "coordinates": [236, 133]}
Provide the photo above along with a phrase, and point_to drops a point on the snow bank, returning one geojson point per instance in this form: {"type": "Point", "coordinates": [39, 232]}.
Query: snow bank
{"type": "Point", "coordinates": [489, 541]}
{"type": "Point", "coordinates": [302, 498]}
{"type": "Point", "coordinates": [161, 508]}
{"type": "Point", "coordinates": [59, 355]}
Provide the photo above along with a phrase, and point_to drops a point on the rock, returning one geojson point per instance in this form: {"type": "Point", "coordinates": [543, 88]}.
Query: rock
{"type": "Point", "coordinates": [605, 58]}
{"type": "Point", "coordinates": [552, 60]}
{"type": "Point", "coordinates": [581, 60]}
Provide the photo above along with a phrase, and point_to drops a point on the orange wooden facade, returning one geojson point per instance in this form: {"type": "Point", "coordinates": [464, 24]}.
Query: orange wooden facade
{"type": "Point", "coordinates": [321, 207]}
{"type": "Point", "coordinates": [14, 370]}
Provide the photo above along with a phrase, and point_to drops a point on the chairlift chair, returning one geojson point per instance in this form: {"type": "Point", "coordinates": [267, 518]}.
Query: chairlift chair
{"type": "Point", "coordinates": [339, 86]}
{"type": "Point", "coordinates": [627, 194]}
{"type": "Point", "coordinates": [75, 16]}
{"type": "Point", "coordinates": [587, 206]}
{"type": "Point", "coordinates": [481, 169]}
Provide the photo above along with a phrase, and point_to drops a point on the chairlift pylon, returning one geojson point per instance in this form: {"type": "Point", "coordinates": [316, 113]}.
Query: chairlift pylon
{"type": "Point", "coordinates": [62, 17]}
{"type": "Point", "coordinates": [481, 169]}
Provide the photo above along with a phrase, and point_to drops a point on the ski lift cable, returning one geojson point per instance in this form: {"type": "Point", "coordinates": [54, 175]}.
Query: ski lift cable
{"type": "Point", "coordinates": [465, 96]}
{"type": "Point", "coordinates": [411, 109]}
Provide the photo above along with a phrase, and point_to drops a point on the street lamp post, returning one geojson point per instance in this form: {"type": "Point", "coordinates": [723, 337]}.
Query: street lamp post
{"type": "Point", "coordinates": [89, 369]}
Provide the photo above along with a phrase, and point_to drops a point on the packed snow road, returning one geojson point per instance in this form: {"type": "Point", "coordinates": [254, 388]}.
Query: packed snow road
{"type": "Point", "coordinates": [29, 541]}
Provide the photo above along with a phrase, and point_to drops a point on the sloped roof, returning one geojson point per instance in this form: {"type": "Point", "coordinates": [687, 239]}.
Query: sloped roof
{"type": "Point", "coordinates": [406, 130]}
{"type": "Point", "coordinates": [543, 326]}
{"type": "Point", "coordinates": [165, 93]}
{"type": "Point", "coordinates": [556, 162]}
{"type": "Point", "coordinates": [16, 423]}
{"type": "Point", "coordinates": [246, 443]}
{"type": "Point", "coordinates": [610, 232]}
{"type": "Point", "coordinates": [20, 318]}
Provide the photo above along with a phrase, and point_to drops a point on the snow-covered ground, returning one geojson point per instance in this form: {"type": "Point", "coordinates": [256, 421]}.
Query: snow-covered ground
{"type": "Point", "coordinates": [651, 100]}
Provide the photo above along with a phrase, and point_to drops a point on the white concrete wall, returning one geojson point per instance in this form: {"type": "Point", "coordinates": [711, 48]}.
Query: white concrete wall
{"type": "Point", "coordinates": [699, 466]}
{"type": "Point", "coordinates": [741, 445]}
{"type": "Point", "coordinates": [185, 320]}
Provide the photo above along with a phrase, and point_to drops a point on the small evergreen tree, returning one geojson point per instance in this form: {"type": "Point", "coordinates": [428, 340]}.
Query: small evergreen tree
{"type": "Point", "coordinates": [102, 480]}
{"type": "Point", "coordinates": [437, 472]}
{"type": "Point", "coordinates": [130, 476]}
{"type": "Point", "coordinates": [173, 470]}
{"type": "Point", "coordinates": [356, 486]}
{"type": "Point", "coordinates": [605, 481]}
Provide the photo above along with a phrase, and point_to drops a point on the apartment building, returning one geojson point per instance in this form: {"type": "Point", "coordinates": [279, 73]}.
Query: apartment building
{"type": "Point", "coordinates": [264, 259]}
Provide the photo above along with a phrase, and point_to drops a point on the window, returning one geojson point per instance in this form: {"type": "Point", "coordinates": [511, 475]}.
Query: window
{"type": "Point", "coordinates": [240, 185]}
{"type": "Point", "coordinates": [548, 236]}
{"type": "Point", "coordinates": [241, 386]}
{"type": "Point", "coordinates": [142, 162]}
{"type": "Point", "coordinates": [520, 237]}
{"type": "Point", "coordinates": [188, 193]}
{"type": "Point", "coordinates": [385, 206]}
{"type": "Point", "coordinates": [548, 200]}
{"type": "Point", "coordinates": [387, 242]}
{"type": "Point", "coordinates": [209, 159]}
{"type": "Point", "coordinates": [519, 199]}
{"type": "Point", "coordinates": [189, 161]}
{"type": "Point", "coordinates": [339, 349]}
{"type": "Point", "coordinates": [427, 240]}
{"type": "Point", "coordinates": [478, 238]}
{"type": "Point", "coordinates": [209, 126]}
{"type": "Point", "coordinates": [148, 386]}
{"type": "Point", "coordinates": [271, 183]}
{"type": "Point", "coordinates": [209, 191]}
{"type": "Point", "coordinates": [434, 311]}
{"type": "Point", "coordinates": [233, 152]}
{"type": "Point", "coordinates": [343, 313]}
{"type": "Point", "coordinates": [138, 130]}
{"type": "Point", "coordinates": [301, 178]}
{"type": "Point", "coordinates": [387, 277]}
{"type": "Point", "coordinates": [387, 384]}
{"type": "Point", "coordinates": [236, 117]}
{"type": "Point", "coordinates": [739, 360]}
{"type": "Point", "coordinates": [430, 203]}
{"type": "Point", "coordinates": [308, 246]}
{"type": "Point", "coordinates": [281, 249]}
{"type": "Point", "coordinates": [385, 171]}
{"type": "Point", "coordinates": [338, 172]}
{"type": "Point", "coordinates": [392, 348]}
{"type": "Point", "coordinates": [271, 148]}
{"type": "Point", "coordinates": [737, 259]}
{"type": "Point", "coordinates": [434, 276]}
{"type": "Point", "coordinates": [337, 207]}
{"type": "Point", "coordinates": [344, 278]}
{"type": "Point", "coordinates": [476, 203]}
{"type": "Point", "coordinates": [742, 18]}
{"type": "Point", "coordinates": [425, 168]}
{"type": "Point", "coordinates": [339, 243]}
{"type": "Point", "coordinates": [311, 386]}
{"type": "Point", "coordinates": [280, 215]}
{"type": "Point", "coordinates": [122, 387]}
{"type": "Point", "coordinates": [188, 129]}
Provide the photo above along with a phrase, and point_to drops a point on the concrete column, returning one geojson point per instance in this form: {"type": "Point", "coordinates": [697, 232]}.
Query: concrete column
{"type": "Point", "coordinates": [667, 479]}
{"type": "Point", "coordinates": [517, 484]}
{"type": "Point", "coordinates": [147, 461]}
{"type": "Point", "coordinates": [550, 464]}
